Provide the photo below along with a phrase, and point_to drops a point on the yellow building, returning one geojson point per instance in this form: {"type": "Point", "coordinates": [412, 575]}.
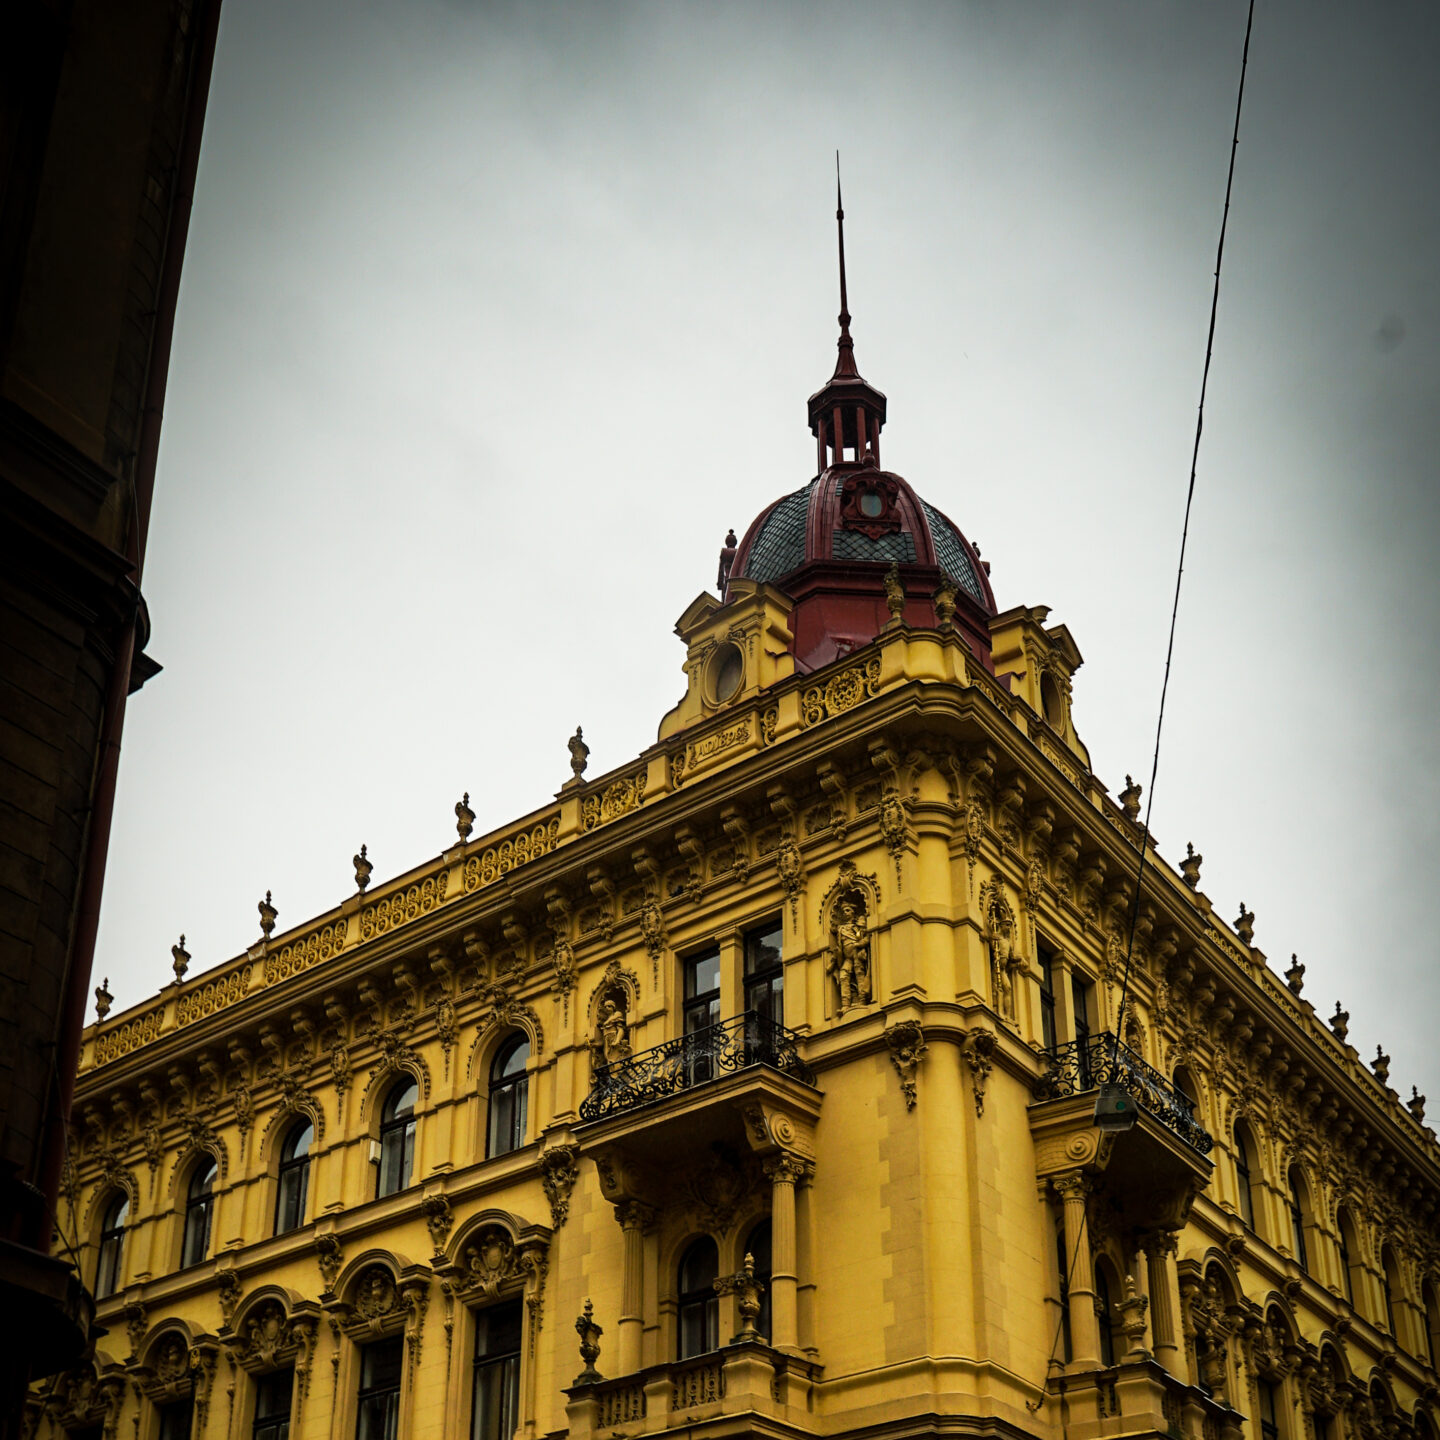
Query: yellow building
{"type": "Point", "coordinates": [774, 1053]}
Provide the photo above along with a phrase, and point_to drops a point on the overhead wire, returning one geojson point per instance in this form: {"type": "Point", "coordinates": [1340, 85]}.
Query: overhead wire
{"type": "Point", "coordinates": [1169, 656]}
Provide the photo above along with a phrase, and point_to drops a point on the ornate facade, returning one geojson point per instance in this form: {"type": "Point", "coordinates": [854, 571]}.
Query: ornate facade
{"type": "Point", "coordinates": [751, 1087]}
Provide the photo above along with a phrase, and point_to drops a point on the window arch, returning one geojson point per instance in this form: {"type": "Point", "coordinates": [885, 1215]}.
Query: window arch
{"type": "Point", "coordinates": [199, 1211]}
{"type": "Point", "coordinates": [1390, 1280]}
{"type": "Point", "coordinates": [699, 1305]}
{"type": "Point", "coordinates": [758, 1248]}
{"type": "Point", "coordinates": [1244, 1175]}
{"type": "Point", "coordinates": [294, 1181]}
{"type": "Point", "coordinates": [1431, 1303]}
{"type": "Point", "coordinates": [110, 1268]}
{"type": "Point", "coordinates": [1299, 1215]}
{"type": "Point", "coordinates": [509, 1097]}
{"type": "Point", "coordinates": [397, 1138]}
{"type": "Point", "coordinates": [1349, 1251]}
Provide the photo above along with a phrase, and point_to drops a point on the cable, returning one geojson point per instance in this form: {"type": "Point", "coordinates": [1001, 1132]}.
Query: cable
{"type": "Point", "coordinates": [1169, 654]}
{"type": "Point", "coordinates": [1184, 538]}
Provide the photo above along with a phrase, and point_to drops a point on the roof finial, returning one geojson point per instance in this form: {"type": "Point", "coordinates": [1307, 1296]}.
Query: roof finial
{"type": "Point", "coordinates": [845, 364]}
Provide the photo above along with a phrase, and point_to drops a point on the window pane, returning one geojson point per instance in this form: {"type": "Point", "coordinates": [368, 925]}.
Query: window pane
{"type": "Point", "coordinates": [496, 1391]}
{"type": "Point", "coordinates": [702, 975]}
{"type": "Point", "coordinates": [379, 1408]}
{"type": "Point", "coordinates": [272, 1406]}
{"type": "Point", "coordinates": [397, 1154]}
{"type": "Point", "coordinates": [197, 1232]}
{"type": "Point", "coordinates": [175, 1421]}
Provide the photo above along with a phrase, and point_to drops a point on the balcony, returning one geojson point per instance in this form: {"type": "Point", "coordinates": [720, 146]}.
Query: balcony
{"type": "Point", "coordinates": [1084, 1065]}
{"type": "Point", "coordinates": [693, 1060]}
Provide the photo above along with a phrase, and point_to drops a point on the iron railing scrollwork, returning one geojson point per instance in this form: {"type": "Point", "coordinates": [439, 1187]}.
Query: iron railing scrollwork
{"type": "Point", "coordinates": [690, 1060]}
{"type": "Point", "coordinates": [1086, 1064]}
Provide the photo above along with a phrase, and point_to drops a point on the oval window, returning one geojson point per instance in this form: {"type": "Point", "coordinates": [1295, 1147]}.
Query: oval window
{"type": "Point", "coordinates": [1052, 701]}
{"type": "Point", "coordinates": [727, 670]}
{"type": "Point", "coordinates": [872, 506]}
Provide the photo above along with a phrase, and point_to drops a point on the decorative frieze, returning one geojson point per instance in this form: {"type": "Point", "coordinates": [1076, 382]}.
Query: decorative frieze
{"type": "Point", "coordinates": [311, 949]}
{"type": "Point", "coordinates": [840, 693]}
{"type": "Point", "coordinates": [129, 1036]}
{"type": "Point", "coordinates": [212, 997]}
{"type": "Point", "coordinates": [618, 798]}
{"type": "Point", "coordinates": [515, 850]}
{"type": "Point", "coordinates": [404, 906]}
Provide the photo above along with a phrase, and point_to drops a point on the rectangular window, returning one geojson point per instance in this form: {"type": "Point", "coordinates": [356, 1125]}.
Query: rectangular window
{"type": "Point", "coordinates": [380, 1369]}
{"type": "Point", "coordinates": [175, 1421]}
{"type": "Point", "coordinates": [496, 1410]}
{"type": "Point", "coordinates": [272, 1406]}
{"type": "Point", "coordinates": [702, 1010]}
{"type": "Point", "coordinates": [1080, 992]}
{"type": "Point", "coordinates": [1047, 997]}
{"type": "Point", "coordinates": [764, 976]}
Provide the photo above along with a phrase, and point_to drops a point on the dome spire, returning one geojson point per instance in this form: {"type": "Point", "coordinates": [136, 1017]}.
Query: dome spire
{"type": "Point", "coordinates": [848, 413]}
{"type": "Point", "coordinates": [845, 361]}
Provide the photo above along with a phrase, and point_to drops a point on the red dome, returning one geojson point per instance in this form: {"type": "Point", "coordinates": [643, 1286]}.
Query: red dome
{"type": "Point", "coordinates": [829, 544]}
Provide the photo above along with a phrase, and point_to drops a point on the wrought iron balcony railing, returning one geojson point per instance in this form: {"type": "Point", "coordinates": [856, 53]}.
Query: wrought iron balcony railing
{"type": "Point", "coordinates": [1086, 1064]}
{"type": "Point", "coordinates": [692, 1060]}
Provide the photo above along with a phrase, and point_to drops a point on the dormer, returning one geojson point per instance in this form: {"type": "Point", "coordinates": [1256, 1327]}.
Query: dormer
{"type": "Point", "coordinates": [1039, 662]}
{"type": "Point", "coordinates": [732, 651]}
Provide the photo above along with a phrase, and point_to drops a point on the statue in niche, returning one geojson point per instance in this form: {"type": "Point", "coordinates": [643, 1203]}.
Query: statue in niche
{"type": "Point", "coordinates": [848, 960]}
{"type": "Point", "coordinates": [614, 1033]}
{"type": "Point", "coordinates": [1000, 937]}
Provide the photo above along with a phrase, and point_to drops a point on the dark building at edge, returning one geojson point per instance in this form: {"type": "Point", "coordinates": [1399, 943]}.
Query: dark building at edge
{"type": "Point", "coordinates": [101, 109]}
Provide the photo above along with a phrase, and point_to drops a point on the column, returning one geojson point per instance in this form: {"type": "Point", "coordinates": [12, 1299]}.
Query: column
{"type": "Point", "coordinates": [1074, 1189]}
{"type": "Point", "coordinates": [783, 1171]}
{"type": "Point", "coordinates": [1160, 1280]}
{"type": "Point", "coordinates": [635, 1218]}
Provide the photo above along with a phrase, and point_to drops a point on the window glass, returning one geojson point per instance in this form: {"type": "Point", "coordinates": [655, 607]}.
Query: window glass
{"type": "Point", "coordinates": [1104, 1313]}
{"type": "Point", "coordinates": [294, 1178]}
{"type": "Point", "coordinates": [699, 1305]}
{"type": "Point", "coordinates": [1297, 1220]}
{"type": "Point", "coordinates": [1342, 1226]}
{"type": "Point", "coordinates": [199, 1206]}
{"type": "Point", "coordinates": [496, 1387]}
{"type": "Point", "coordinates": [1047, 997]}
{"type": "Point", "coordinates": [272, 1406]}
{"type": "Point", "coordinates": [764, 977]}
{"type": "Point", "coordinates": [109, 1271]}
{"type": "Point", "coordinates": [509, 1097]}
{"type": "Point", "coordinates": [397, 1138]}
{"type": "Point", "coordinates": [702, 1010]}
{"type": "Point", "coordinates": [1390, 1277]}
{"type": "Point", "coordinates": [379, 1407]}
{"type": "Point", "coordinates": [1269, 1424]}
{"type": "Point", "coordinates": [1243, 1191]}
{"type": "Point", "coordinates": [175, 1421]}
{"type": "Point", "coordinates": [1080, 992]}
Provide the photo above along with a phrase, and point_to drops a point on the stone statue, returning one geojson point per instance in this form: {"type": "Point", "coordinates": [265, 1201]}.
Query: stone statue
{"type": "Point", "coordinates": [614, 1033]}
{"type": "Point", "coordinates": [895, 594]}
{"type": "Point", "coordinates": [727, 561]}
{"type": "Point", "coordinates": [579, 752]}
{"type": "Point", "coordinates": [850, 957]}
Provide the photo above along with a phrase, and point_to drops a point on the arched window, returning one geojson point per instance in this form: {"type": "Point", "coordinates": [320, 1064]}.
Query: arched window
{"type": "Point", "coordinates": [110, 1271]}
{"type": "Point", "coordinates": [1185, 1084]}
{"type": "Point", "coordinates": [1390, 1272]}
{"type": "Point", "coordinates": [509, 1094]}
{"type": "Point", "coordinates": [199, 1207]}
{"type": "Point", "coordinates": [1298, 1216]}
{"type": "Point", "coordinates": [495, 1384]}
{"type": "Point", "coordinates": [699, 1305]}
{"type": "Point", "coordinates": [397, 1138]}
{"type": "Point", "coordinates": [1244, 1184]}
{"type": "Point", "coordinates": [1432, 1321]}
{"type": "Point", "coordinates": [1349, 1249]}
{"type": "Point", "coordinates": [294, 1178]}
{"type": "Point", "coordinates": [274, 1395]}
{"type": "Point", "coordinates": [757, 1247]}
{"type": "Point", "coordinates": [1105, 1314]}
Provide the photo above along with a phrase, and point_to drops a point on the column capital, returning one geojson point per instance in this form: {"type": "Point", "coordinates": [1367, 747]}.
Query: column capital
{"type": "Point", "coordinates": [788, 1169]}
{"type": "Point", "coordinates": [1073, 1186]}
{"type": "Point", "coordinates": [635, 1215]}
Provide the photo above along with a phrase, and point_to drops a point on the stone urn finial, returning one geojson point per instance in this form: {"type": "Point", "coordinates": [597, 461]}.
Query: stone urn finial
{"type": "Point", "coordinates": [1381, 1066]}
{"type": "Point", "coordinates": [1295, 975]}
{"type": "Point", "coordinates": [747, 1291]}
{"type": "Point", "coordinates": [103, 999]}
{"type": "Point", "coordinates": [363, 869]}
{"type": "Point", "coordinates": [1416, 1103]}
{"type": "Point", "coordinates": [180, 958]}
{"type": "Point", "coordinates": [268, 912]}
{"type": "Point", "coordinates": [464, 817]}
{"type": "Point", "coordinates": [579, 753]}
{"type": "Point", "coordinates": [1245, 924]}
{"type": "Point", "coordinates": [1190, 866]}
{"type": "Point", "coordinates": [1340, 1022]}
{"type": "Point", "coordinates": [944, 597]}
{"type": "Point", "coordinates": [589, 1333]}
{"type": "Point", "coordinates": [1130, 798]}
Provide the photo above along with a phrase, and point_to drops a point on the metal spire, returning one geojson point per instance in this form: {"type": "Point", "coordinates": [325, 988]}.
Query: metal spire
{"type": "Point", "coordinates": [845, 363]}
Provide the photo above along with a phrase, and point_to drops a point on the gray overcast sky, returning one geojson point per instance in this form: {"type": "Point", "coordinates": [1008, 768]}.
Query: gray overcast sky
{"type": "Point", "coordinates": [494, 317]}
